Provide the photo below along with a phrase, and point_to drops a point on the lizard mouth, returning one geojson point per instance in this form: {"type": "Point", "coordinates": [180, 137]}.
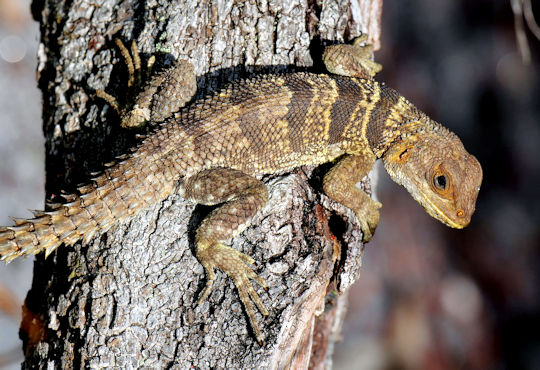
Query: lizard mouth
{"type": "Point", "coordinates": [437, 213]}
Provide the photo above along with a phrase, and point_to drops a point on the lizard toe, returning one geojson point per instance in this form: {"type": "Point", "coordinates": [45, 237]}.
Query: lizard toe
{"type": "Point", "coordinates": [369, 219]}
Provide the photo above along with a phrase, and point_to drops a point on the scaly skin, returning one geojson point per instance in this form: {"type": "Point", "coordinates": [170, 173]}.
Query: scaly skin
{"type": "Point", "coordinates": [212, 150]}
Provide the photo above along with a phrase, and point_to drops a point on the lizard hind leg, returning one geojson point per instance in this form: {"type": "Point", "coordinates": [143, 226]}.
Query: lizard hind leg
{"type": "Point", "coordinates": [242, 197]}
{"type": "Point", "coordinates": [164, 94]}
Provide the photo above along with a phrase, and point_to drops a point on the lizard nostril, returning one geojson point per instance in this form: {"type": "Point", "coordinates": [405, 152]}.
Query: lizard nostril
{"type": "Point", "coordinates": [460, 213]}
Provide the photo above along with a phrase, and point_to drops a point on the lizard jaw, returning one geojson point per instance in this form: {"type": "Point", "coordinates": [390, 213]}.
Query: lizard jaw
{"type": "Point", "coordinates": [438, 214]}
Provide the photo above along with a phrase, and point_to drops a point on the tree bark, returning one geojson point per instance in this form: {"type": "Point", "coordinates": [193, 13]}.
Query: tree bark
{"type": "Point", "coordinates": [128, 298]}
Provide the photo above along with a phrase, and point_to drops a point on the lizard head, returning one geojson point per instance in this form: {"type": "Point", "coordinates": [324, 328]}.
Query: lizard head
{"type": "Point", "coordinates": [440, 174]}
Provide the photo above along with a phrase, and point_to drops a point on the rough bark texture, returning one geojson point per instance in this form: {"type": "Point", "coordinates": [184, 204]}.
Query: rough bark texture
{"type": "Point", "coordinates": [128, 299]}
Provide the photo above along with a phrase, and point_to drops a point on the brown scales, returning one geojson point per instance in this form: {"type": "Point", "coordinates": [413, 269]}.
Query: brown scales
{"type": "Point", "coordinates": [211, 150]}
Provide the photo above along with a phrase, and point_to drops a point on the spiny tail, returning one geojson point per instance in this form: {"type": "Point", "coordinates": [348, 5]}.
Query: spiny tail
{"type": "Point", "coordinates": [120, 191]}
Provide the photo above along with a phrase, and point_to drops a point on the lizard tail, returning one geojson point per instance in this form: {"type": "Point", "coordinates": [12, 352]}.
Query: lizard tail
{"type": "Point", "coordinates": [120, 191]}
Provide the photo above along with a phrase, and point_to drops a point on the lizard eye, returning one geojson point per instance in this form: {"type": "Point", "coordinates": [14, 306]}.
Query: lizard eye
{"type": "Point", "coordinates": [440, 182]}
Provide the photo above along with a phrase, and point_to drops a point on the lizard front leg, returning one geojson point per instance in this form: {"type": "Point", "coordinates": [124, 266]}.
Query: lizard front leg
{"type": "Point", "coordinates": [352, 60]}
{"type": "Point", "coordinates": [243, 196]}
{"type": "Point", "coordinates": [340, 185]}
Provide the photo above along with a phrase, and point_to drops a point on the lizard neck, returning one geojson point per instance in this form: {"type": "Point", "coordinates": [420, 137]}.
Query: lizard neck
{"type": "Point", "coordinates": [393, 118]}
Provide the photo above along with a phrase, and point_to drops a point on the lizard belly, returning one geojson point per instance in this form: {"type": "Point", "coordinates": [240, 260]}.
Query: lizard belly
{"type": "Point", "coordinates": [262, 147]}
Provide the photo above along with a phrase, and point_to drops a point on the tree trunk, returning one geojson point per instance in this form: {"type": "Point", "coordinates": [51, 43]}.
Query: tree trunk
{"type": "Point", "coordinates": [128, 298]}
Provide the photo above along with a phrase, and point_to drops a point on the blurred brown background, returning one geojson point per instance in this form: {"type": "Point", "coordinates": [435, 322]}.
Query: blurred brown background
{"type": "Point", "coordinates": [430, 297]}
{"type": "Point", "coordinates": [21, 158]}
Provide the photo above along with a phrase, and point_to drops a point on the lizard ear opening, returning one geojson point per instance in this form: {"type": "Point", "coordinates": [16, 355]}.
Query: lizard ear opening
{"type": "Point", "coordinates": [398, 156]}
{"type": "Point", "coordinates": [404, 155]}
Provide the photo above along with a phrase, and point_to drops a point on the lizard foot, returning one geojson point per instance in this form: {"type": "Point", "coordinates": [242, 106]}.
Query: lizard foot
{"type": "Point", "coordinates": [368, 216]}
{"type": "Point", "coordinates": [235, 264]}
{"type": "Point", "coordinates": [132, 60]}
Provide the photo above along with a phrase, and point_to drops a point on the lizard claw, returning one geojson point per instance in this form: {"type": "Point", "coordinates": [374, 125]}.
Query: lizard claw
{"type": "Point", "coordinates": [235, 264]}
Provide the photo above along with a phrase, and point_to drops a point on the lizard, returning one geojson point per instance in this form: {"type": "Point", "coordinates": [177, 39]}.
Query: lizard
{"type": "Point", "coordinates": [214, 151]}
